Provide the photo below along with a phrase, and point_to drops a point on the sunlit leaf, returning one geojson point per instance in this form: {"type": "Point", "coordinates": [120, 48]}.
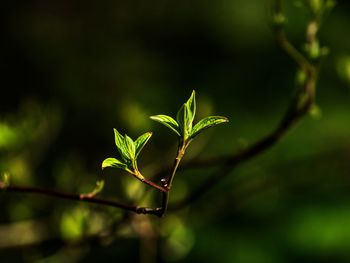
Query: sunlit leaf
{"type": "Point", "coordinates": [185, 116]}
{"type": "Point", "coordinates": [184, 119]}
{"type": "Point", "coordinates": [168, 122]}
{"type": "Point", "coordinates": [192, 106]}
{"type": "Point", "coordinates": [120, 143]}
{"type": "Point", "coordinates": [189, 117]}
{"type": "Point", "coordinates": [114, 163]}
{"type": "Point", "coordinates": [130, 146]}
{"type": "Point", "coordinates": [207, 123]}
{"type": "Point", "coordinates": [141, 141]}
{"type": "Point", "coordinates": [181, 117]}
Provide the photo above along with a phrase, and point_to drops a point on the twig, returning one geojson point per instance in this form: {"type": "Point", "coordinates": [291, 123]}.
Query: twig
{"type": "Point", "coordinates": [79, 197]}
{"type": "Point", "coordinates": [168, 182]}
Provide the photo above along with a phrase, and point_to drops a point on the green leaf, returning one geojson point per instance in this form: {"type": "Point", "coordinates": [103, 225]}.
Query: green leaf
{"type": "Point", "coordinates": [207, 123]}
{"type": "Point", "coordinates": [186, 114]}
{"type": "Point", "coordinates": [181, 117]}
{"type": "Point", "coordinates": [184, 119]}
{"type": "Point", "coordinates": [130, 146]}
{"type": "Point", "coordinates": [114, 163]}
{"type": "Point", "coordinates": [120, 143]}
{"type": "Point", "coordinates": [141, 141]}
{"type": "Point", "coordinates": [192, 105]}
{"type": "Point", "coordinates": [168, 122]}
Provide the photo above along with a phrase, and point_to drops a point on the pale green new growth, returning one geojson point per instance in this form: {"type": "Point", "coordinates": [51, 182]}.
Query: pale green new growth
{"type": "Point", "coordinates": [120, 143]}
{"type": "Point", "coordinates": [168, 122]}
{"type": "Point", "coordinates": [183, 126]}
{"type": "Point", "coordinates": [185, 116]}
{"type": "Point", "coordinates": [129, 151]}
{"type": "Point", "coordinates": [130, 146]}
{"type": "Point", "coordinates": [207, 123]}
{"type": "Point", "coordinates": [114, 163]}
{"type": "Point", "coordinates": [141, 142]}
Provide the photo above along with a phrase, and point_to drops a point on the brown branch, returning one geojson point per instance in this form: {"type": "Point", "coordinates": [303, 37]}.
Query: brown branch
{"type": "Point", "coordinates": [79, 197]}
{"type": "Point", "coordinates": [279, 21]}
{"type": "Point", "coordinates": [154, 185]}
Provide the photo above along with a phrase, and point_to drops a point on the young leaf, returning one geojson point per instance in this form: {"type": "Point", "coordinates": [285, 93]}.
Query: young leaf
{"type": "Point", "coordinates": [184, 119]}
{"type": "Point", "coordinates": [185, 115]}
{"type": "Point", "coordinates": [120, 143]}
{"type": "Point", "coordinates": [130, 146]}
{"type": "Point", "coordinates": [141, 141]}
{"type": "Point", "coordinates": [180, 118]}
{"type": "Point", "coordinates": [114, 163]}
{"type": "Point", "coordinates": [192, 105]}
{"type": "Point", "coordinates": [168, 122]}
{"type": "Point", "coordinates": [207, 123]}
{"type": "Point", "coordinates": [189, 118]}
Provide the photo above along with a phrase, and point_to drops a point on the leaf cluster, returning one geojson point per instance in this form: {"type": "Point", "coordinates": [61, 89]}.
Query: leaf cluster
{"type": "Point", "coordinates": [129, 150]}
{"type": "Point", "coordinates": [183, 125]}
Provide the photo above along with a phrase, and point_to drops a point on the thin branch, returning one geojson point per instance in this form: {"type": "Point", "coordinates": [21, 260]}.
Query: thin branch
{"type": "Point", "coordinates": [282, 40]}
{"type": "Point", "coordinates": [79, 197]}
{"type": "Point", "coordinates": [168, 182]}
{"type": "Point", "coordinates": [154, 185]}
{"type": "Point", "coordinates": [292, 51]}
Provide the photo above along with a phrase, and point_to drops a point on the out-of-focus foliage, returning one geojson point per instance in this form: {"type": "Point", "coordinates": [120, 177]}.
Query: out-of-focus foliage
{"type": "Point", "coordinates": [71, 71]}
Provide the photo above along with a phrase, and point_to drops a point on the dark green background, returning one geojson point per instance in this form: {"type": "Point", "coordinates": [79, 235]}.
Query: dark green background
{"type": "Point", "coordinates": [73, 70]}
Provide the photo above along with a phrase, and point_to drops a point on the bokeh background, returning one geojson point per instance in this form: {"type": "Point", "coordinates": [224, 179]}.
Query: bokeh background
{"type": "Point", "coordinates": [73, 70]}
